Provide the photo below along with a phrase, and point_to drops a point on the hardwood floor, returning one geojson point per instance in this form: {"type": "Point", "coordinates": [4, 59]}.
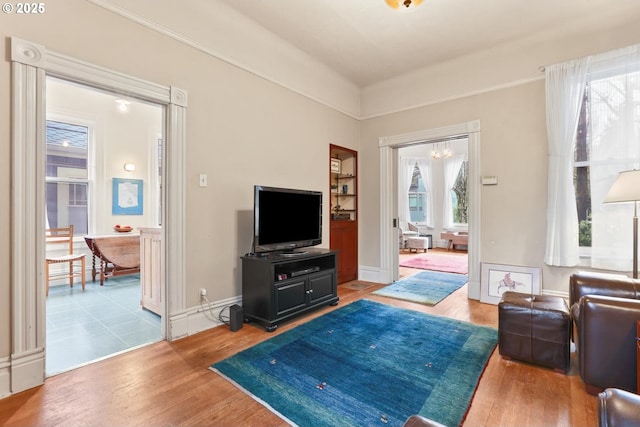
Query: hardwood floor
{"type": "Point", "coordinates": [169, 384]}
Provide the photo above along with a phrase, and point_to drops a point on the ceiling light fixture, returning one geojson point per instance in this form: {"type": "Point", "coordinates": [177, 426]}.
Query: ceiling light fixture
{"type": "Point", "coordinates": [403, 4]}
{"type": "Point", "coordinates": [437, 155]}
{"type": "Point", "coordinates": [129, 167]}
{"type": "Point", "coordinates": [446, 153]}
{"type": "Point", "coordinates": [123, 104]}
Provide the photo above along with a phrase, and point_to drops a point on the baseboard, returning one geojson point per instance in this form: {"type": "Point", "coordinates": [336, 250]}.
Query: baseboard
{"type": "Point", "coordinates": [372, 274]}
{"type": "Point", "coordinates": [5, 377]}
{"type": "Point", "coordinates": [199, 318]}
{"type": "Point", "coordinates": [473, 290]}
{"type": "Point", "coordinates": [27, 370]}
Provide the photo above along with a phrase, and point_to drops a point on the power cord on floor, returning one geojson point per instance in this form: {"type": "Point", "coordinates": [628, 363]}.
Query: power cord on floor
{"type": "Point", "coordinates": [226, 320]}
{"type": "Point", "coordinates": [208, 311]}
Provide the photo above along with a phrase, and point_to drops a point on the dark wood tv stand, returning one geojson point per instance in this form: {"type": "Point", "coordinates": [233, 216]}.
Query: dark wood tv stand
{"type": "Point", "coordinates": [278, 287]}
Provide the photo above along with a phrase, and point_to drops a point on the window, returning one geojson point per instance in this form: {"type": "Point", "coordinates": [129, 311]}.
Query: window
{"type": "Point", "coordinates": [459, 198]}
{"type": "Point", "coordinates": [593, 127]}
{"type": "Point", "coordinates": [581, 175]}
{"type": "Point", "coordinates": [417, 197]}
{"type": "Point", "coordinates": [456, 170]}
{"type": "Point", "coordinates": [607, 142]}
{"type": "Point", "coordinates": [67, 184]}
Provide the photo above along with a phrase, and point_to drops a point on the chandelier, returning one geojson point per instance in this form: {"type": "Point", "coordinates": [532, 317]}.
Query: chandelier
{"type": "Point", "coordinates": [403, 4]}
{"type": "Point", "coordinates": [446, 153]}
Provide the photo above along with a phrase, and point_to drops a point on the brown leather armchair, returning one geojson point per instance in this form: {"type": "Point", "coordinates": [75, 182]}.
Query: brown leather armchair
{"type": "Point", "coordinates": [618, 408]}
{"type": "Point", "coordinates": [605, 310]}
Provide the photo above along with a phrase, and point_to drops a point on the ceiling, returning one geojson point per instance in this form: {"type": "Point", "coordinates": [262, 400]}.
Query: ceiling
{"type": "Point", "coordinates": [366, 42]}
{"type": "Point", "coordinates": [364, 59]}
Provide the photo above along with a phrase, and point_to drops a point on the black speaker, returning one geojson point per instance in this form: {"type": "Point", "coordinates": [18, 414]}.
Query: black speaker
{"type": "Point", "coordinates": [236, 317]}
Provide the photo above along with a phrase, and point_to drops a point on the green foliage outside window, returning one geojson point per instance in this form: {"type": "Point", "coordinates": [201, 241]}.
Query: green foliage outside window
{"type": "Point", "coordinates": [459, 196]}
{"type": "Point", "coordinates": [584, 232]}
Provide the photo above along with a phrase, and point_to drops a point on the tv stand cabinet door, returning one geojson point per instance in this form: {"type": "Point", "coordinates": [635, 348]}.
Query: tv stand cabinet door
{"type": "Point", "coordinates": [322, 287]}
{"type": "Point", "coordinates": [290, 297]}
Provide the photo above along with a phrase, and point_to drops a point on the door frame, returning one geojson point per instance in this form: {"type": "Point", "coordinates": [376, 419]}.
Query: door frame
{"type": "Point", "coordinates": [31, 63]}
{"type": "Point", "coordinates": [389, 258]}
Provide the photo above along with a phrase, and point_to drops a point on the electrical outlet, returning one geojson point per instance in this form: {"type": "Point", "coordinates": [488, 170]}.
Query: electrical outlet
{"type": "Point", "coordinates": [203, 292]}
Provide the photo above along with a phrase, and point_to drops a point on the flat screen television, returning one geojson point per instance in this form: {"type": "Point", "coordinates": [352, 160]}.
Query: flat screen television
{"type": "Point", "coordinates": [286, 219]}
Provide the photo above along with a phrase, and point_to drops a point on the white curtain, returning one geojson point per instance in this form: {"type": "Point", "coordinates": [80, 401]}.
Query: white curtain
{"type": "Point", "coordinates": [405, 174]}
{"type": "Point", "coordinates": [614, 138]}
{"type": "Point", "coordinates": [451, 171]}
{"type": "Point", "coordinates": [424, 165]}
{"type": "Point", "coordinates": [565, 84]}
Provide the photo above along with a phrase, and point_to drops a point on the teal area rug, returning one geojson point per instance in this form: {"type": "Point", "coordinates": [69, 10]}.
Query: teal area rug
{"type": "Point", "coordinates": [426, 287]}
{"type": "Point", "coordinates": [366, 364]}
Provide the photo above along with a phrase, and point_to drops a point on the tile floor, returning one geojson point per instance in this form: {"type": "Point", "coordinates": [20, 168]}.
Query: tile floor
{"type": "Point", "coordinates": [90, 325]}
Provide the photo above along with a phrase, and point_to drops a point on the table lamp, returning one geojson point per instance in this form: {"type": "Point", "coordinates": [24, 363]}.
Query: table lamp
{"type": "Point", "coordinates": [626, 188]}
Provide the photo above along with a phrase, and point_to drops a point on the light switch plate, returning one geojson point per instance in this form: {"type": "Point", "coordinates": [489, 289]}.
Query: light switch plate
{"type": "Point", "coordinates": [490, 180]}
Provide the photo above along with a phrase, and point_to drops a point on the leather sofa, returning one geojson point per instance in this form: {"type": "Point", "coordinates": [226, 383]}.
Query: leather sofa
{"type": "Point", "coordinates": [605, 311]}
{"type": "Point", "coordinates": [618, 408]}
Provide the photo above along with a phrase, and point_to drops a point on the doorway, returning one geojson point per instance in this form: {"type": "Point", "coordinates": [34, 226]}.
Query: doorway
{"type": "Point", "coordinates": [389, 146]}
{"type": "Point", "coordinates": [432, 202]}
{"type": "Point", "coordinates": [90, 136]}
{"type": "Point", "coordinates": [31, 63]}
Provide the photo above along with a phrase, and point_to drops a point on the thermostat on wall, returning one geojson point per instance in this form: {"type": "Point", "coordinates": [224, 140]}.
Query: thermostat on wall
{"type": "Point", "coordinates": [490, 180]}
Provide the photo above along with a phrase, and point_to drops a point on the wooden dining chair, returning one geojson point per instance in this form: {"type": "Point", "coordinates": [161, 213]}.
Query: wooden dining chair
{"type": "Point", "coordinates": [57, 238]}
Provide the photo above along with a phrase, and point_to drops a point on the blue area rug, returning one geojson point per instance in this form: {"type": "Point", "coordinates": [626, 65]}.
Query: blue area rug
{"type": "Point", "coordinates": [366, 364]}
{"type": "Point", "coordinates": [426, 287]}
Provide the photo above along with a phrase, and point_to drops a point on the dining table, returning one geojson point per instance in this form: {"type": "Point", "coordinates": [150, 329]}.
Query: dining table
{"type": "Point", "coordinates": [114, 255]}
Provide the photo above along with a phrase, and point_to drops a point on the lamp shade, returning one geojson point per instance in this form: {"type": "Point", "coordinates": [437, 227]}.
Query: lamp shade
{"type": "Point", "coordinates": [626, 188]}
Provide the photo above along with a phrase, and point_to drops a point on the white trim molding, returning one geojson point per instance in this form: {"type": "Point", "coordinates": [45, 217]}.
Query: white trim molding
{"type": "Point", "coordinates": [285, 65]}
{"type": "Point", "coordinates": [200, 318]}
{"type": "Point", "coordinates": [388, 233]}
{"type": "Point", "coordinates": [174, 207]}
{"type": "Point", "coordinates": [31, 64]}
{"type": "Point", "coordinates": [371, 274]}
{"type": "Point", "coordinates": [27, 200]}
{"type": "Point", "coordinates": [5, 376]}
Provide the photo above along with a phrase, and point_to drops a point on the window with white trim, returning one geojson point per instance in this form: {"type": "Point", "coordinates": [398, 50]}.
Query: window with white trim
{"type": "Point", "coordinates": [607, 142]}
{"type": "Point", "coordinates": [67, 182]}
{"type": "Point", "coordinates": [459, 197]}
{"type": "Point", "coordinates": [417, 197]}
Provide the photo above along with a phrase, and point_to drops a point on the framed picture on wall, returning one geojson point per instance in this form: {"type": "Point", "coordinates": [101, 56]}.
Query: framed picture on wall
{"type": "Point", "coordinates": [126, 196]}
{"type": "Point", "coordinates": [496, 279]}
{"type": "Point", "coordinates": [335, 165]}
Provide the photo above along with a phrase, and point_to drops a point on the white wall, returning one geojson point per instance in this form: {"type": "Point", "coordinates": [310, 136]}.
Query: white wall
{"type": "Point", "coordinates": [217, 29]}
{"type": "Point", "coordinates": [513, 147]}
{"type": "Point", "coordinates": [241, 130]}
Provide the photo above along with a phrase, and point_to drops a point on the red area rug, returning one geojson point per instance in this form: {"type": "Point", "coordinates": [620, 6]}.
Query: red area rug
{"type": "Point", "coordinates": [438, 262]}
